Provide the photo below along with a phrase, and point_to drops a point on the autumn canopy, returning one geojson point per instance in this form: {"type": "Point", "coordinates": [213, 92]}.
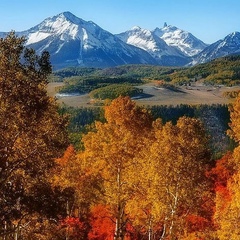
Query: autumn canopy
{"type": "Point", "coordinates": [133, 178]}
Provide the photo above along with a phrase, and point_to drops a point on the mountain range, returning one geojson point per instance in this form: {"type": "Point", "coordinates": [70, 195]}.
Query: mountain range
{"type": "Point", "coordinates": [71, 41]}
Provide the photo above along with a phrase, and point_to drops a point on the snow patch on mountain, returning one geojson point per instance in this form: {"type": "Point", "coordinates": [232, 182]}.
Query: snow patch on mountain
{"type": "Point", "coordinates": [72, 41]}
{"type": "Point", "coordinates": [183, 40]}
{"type": "Point", "coordinates": [151, 43]}
{"type": "Point", "coordinates": [148, 41]}
{"type": "Point", "coordinates": [36, 37]}
{"type": "Point", "coordinates": [141, 38]}
{"type": "Point", "coordinates": [63, 24]}
{"type": "Point", "coordinates": [224, 47]}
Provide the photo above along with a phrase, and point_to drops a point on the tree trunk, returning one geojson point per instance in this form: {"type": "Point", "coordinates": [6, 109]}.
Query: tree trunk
{"type": "Point", "coordinates": [164, 230]}
{"type": "Point", "coordinates": [120, 219]}
{"type": "Point", "coordinates": [150, 231]}
{"type": "Point", "coordinates": [5, 230]}
{"type": "Point", "coordinates": [16, 233]}
{"type": "Point", "coordinates": [120, 223]}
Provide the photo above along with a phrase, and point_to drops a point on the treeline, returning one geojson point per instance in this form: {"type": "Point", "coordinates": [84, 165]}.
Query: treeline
{"type": "Point", "coordinates": [80, 117]}
{"type": "Point", "coordinates": [215, 118]}
{"type": "Point", "coordinates": [221, 71]}
{"type": "Point", "coordinates": [127, 71]}
{"type": "Point", "coordinates": [114, 91]}
{"type": "Point", "coordinates": [120, 80]}
{"type": "Point", "coordinates": [73, 71]}
{"type": "Point", "coordinates": [88, 84]}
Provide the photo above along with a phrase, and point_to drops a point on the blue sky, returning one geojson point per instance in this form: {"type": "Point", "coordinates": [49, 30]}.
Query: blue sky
{"type": "Point", "coordinates": [208, 20]}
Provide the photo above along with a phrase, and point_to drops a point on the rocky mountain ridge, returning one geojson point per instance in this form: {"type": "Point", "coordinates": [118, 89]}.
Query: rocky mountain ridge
{"type": "Point", "coordinates": [72, 41]}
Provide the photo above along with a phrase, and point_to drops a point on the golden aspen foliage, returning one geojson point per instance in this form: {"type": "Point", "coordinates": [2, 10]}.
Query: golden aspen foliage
{"type": "Point", "coordinates": [149, 176]}
{"type": "Point", "coordinates": [70, 173]}
{"type": "Point", "coordinates": [228, 216]}
{"type": "Point", "coordinates": [111, 154]}
{"type": "Point", "coordinates": [173, 178]}
{"type": "Point", "coordinates": [32, 133]}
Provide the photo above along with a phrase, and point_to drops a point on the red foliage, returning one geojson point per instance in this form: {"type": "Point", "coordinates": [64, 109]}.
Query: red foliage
{"type": "Point", "coordinates": [225, 196]}
{"type": "Point", "coordinates": [131, 233]}
{"type": "Point", "coordinates": [196, 223]}
{"type": "Point", "coordinates": [220, 175]}
{"type": "Point", "coordinates": [221, 172]}
{"type": "Point", "coordinates": [74, 227]}
{"type": "Point", "coordinates": [102, 224]}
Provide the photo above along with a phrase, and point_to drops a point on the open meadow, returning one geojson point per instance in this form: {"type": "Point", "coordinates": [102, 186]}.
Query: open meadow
{"type": "Point", "coordinates": [152, 95]}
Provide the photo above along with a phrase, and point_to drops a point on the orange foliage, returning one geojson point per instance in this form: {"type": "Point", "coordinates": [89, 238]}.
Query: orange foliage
{"type": "Point", "coordinates": [131, 233]}
{"type": "Point", "coordinates": [74, 227]}
{"type": "Point", "coordinates": [225, 195]}
{"type": "Point", "coordinates": [196, 223]}
{"type": "Point", "coordinates": [68, 154]}
{"type": "Point", "coordinates": [220, 175]}
{"type": "Point", "coordinates": [222, 172]}
{"type": "Point", "coordinates": [124, 112]}
{"type": "Point", "coordinates": [101, 223]}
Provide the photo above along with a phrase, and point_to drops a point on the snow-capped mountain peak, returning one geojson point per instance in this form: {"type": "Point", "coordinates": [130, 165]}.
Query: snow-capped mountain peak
{"type": "Point", "coordinates": [73, 41]}
{"type": "Point", "coordinates": [155, 46]}
{"type": "Point", "coordinates": [138, 37]}
{"type": "Point", "coordinates": [64, 24]}
{"type": "Point", "coordinates": [135, 28]}
{"type": "Point", "coordinates": [164, 42]}
{"type": "Point", "coordinates": [168, 28]}
{"type": "Point", "coordinates": [229, 45]}
{"type": "Point", "coordinates": [183, 40]}
{"type": "Point", "coordinates": [232, 39]}
{"type": "Point", "coordinates": [70, 17]}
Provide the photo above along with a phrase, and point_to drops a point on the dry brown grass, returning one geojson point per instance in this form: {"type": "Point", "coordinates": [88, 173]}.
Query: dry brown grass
{"type": "Point", "coordinates": [159, 96]}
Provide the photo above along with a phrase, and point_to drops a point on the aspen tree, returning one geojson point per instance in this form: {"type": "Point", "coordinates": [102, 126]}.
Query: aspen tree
{"type": "Point", "coordinates": [32, 132]}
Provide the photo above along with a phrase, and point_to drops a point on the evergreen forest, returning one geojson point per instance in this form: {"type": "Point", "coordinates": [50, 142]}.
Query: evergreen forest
{"type": "Point", "coordinates": [219, 72]}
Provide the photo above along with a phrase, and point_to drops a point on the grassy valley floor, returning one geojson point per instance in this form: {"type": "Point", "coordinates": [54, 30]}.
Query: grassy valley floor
{"type": "Point", "coordinates": [159, 96]}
